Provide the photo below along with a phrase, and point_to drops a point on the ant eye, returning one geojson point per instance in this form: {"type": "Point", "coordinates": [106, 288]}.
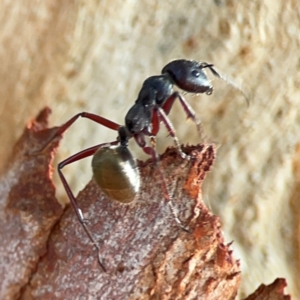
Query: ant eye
{"type": "Point", "coordinates": [195, 73]}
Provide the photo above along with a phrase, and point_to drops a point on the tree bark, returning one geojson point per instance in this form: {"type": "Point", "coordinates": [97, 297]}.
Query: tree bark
{"type": "Point", "coordinates": [273, 291]}
{"type": "Point", "coordinates": [28, 208]}
{"type": "Point", "coordinates": [146, 254]}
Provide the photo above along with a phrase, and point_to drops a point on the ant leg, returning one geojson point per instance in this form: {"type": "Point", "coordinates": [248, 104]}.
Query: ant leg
{"type": "Point", "coordinates": [152, 152]}
{"type": "Point", "coordinates": [158, 116]}
{"type": "Point", "coordinates": [168, 198]}
{"type": "Point", "coordinates": [154, 131]}
{"type": "Point", "coordinates": [167, 106]}
{"type": "Point", "coordinates": [156, 119]}
{"type": "Point", "coordinates": [186, 107]}
{"type": "Point", "coordinates": [153, 142]}
{"type": "Point", "coordinates": [164, 118]}
{"type": "Point", "coordinates": [61, 129]}
{"type": "Point", "coordinates": [78, 156]}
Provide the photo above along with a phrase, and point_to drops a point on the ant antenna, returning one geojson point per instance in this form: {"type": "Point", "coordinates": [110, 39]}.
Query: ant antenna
{"type": "Point", "coordinates": [227, 79]}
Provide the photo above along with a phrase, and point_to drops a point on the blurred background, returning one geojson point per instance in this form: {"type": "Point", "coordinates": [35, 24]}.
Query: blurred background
{"type": "Point", "coordinates": [94, 56]}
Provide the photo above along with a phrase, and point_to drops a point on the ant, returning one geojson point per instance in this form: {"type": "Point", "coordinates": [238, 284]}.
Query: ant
{"type": "Point", "coordinates": [114, 160]}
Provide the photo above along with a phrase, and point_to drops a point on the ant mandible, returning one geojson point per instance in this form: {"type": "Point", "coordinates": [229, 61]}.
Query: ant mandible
{"type": "Point", "coordinates": [114, 160]}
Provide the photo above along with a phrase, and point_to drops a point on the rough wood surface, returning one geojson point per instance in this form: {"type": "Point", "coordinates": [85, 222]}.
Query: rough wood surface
{"type": "Point", "coordinates": [28, 208]}
{"type": "Point", "coordinates": [146, 254]}
{"type": "Point", "coordinates": [273, 291]}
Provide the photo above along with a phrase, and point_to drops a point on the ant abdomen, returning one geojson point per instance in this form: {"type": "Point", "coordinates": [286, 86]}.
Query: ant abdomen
{"type": "Point", "coordinates": [189, 75]}
{"type": "Point", "coordinates": [116, 173]}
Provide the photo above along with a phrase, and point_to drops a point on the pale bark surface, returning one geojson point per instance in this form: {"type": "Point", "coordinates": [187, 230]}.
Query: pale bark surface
{"type": "Point", "coordinates": [94, 55]}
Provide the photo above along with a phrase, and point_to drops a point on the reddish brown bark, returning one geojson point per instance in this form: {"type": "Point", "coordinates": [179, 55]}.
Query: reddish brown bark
{"type": "Point", "coordinates": [28, 208]}
{"type": "Point", "coordinates": [273, 291]}
{"type": "Point", "coordinates": [146, 254]}
{"type": "Point", "coordinates": [46, 255]}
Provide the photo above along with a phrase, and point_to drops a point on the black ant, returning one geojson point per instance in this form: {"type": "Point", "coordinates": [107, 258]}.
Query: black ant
{"type": "Point", "coordinates": [114, 160]}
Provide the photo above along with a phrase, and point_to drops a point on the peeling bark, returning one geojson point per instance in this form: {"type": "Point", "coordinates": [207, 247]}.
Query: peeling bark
{"type": "Point", "coordinates": [273, 291]}
{"type": "Point", "coordinates": [45, 253]}
{"type": "Point", "coordinates": [29, 208]}
{"type": "Point", "coordinates": [146, 254]}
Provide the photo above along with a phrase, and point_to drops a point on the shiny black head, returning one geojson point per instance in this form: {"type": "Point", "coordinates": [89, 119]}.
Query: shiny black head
{"type": "Point", "coordinates": [189, 75]}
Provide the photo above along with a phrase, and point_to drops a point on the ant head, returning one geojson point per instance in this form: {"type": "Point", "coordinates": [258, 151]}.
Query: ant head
{"type": "Point", "coordinates": [189, 75]}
